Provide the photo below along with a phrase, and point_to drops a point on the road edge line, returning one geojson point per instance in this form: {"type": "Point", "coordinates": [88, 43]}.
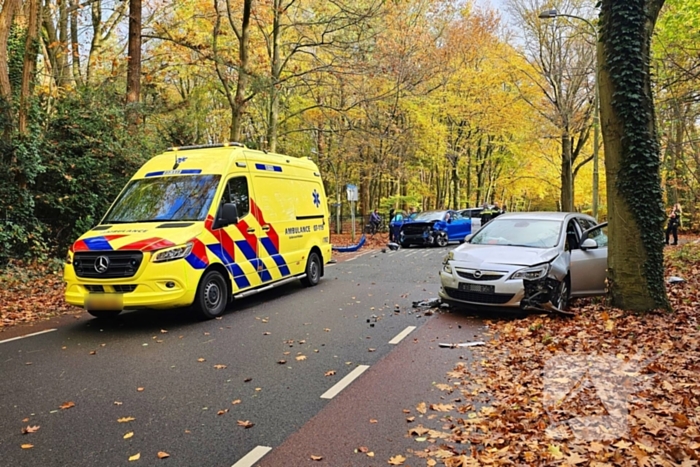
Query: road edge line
{"type": "Point", "coordinates": [28, 335]}
{"type": "Point", "coordinates": [345, 382]}
{"type": "Point", "coordinates": [257, 453]}
{"type": "Point", "coordinates": [400, 336]}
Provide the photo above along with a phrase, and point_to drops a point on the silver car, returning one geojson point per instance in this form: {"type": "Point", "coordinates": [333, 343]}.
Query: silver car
{"type": "Point", "coordinates": [528, 260]}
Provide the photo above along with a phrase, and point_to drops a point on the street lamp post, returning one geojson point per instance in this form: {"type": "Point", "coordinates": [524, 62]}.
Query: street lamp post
{"type": "Point", "coordinates": [554, 13]}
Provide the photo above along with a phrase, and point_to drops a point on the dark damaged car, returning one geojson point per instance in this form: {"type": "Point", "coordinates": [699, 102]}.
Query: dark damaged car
{"type": "Point", "coordinates": [528, 261]}
{"type": "Point", "coordinates": [435, 228]}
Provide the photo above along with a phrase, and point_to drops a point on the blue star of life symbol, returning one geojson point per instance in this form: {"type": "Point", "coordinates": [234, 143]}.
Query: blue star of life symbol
{"type": "Point", "coordinates": [317, 198]}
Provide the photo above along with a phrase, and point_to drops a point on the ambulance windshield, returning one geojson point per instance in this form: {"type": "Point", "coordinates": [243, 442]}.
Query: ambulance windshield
{"type": "Point", "coordinates": [159, 199]}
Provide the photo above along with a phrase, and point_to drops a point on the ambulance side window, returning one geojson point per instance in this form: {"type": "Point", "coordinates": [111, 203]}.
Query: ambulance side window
{"type": "Point", "coordinates": [237, 192]}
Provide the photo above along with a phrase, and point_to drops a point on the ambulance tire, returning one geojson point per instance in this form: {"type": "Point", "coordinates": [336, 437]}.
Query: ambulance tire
{"type": "Point", "coordinates": [313, 270]}
{"type": "Point", "coordinates": [104, 314]}
{"type": "Point", "coordinates": [212, 295]}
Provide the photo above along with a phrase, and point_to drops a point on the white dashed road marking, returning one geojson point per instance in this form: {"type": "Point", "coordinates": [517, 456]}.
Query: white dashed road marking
{"type": "Point", "coordinates": [252, 457]}
{"type": "Point", "coordinates": [28, 335]}
{"type": "Point", "coordinates": [345, 382]}
{"type": "Point", "coordinates": [399, 337]}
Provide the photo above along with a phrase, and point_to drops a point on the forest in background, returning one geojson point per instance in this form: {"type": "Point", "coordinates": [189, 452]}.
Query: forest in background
{"type": "Point", "coordinates": [424, 103]}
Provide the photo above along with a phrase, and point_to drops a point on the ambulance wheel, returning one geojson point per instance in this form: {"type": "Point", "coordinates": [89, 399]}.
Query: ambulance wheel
{"type": "Point", "coordinates": [313, 271]}
{"type": "Point", "coordinates": [105, 314]}
{"type": "Point", "coordinates": [212, 296]}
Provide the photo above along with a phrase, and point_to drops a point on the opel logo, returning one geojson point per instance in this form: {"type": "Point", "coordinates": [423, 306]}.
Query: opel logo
{"type": "Point", "coordinates": [101, 264]}
{"type": "Point", "coordinates": [477, 273]}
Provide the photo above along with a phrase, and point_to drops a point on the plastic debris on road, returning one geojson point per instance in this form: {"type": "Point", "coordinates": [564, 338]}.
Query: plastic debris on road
{"type": "Point", "coordinates": [464, 344]}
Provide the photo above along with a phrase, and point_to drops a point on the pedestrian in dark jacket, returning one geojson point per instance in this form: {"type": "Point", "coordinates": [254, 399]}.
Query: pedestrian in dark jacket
{"type": "Point", "coordinates": [674, 221]}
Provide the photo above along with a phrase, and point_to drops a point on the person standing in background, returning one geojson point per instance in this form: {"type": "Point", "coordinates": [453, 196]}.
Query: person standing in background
{"type": "Point", "coordinates": [674, 221]}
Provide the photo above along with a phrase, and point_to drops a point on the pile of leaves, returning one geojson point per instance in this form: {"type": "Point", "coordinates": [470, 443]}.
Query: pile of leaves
{"type": "Point", "coordinates": [604, 388]}
{"type": "Point", "coordinates": [31, 292]}
{"type": "Point", "coordinates": [372, 242]}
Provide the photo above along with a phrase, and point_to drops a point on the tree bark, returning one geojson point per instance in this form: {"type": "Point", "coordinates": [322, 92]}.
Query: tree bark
{"type": "Point", "coordinates": [133, 74]}
{"type": "Point", "coordinates": [29, 65]}
{"type": "Point", "coordinates": [75, 45]}
{"type": "Point", "coordinates": [273, 117]}
{"type": "Point", "coordinates": [7, 15]}
{"type": "Point", "coordinates": [567, 190]}
{"type": "Point", "coordinates": [242, 83]}
{"type": "Point", "coordinates": [630, 257]}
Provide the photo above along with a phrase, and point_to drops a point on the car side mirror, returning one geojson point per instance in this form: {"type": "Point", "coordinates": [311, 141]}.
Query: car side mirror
{"type": "Point", "coordinates": [589, 244]}
{"type": "Point", "coordinates": [227, 215]}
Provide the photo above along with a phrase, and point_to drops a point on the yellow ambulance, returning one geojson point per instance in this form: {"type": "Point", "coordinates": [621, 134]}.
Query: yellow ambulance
{"type": "Point", "coordinates": [200, 225]}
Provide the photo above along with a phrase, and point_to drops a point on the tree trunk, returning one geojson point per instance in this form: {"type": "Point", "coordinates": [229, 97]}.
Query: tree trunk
{"type": "Point", "coordinates": [30, 53]}
{"type": "Point", "coordinates": [7, 15]}
{"type": "Point", "coordinates": [567, 191]}
{"type": "Point", "coordinates": [635, 208]}
{"type": "Point", "coordinates": [133, 74]}
{"type": "Point", "coordinates": [273, 116]}
{"type": "Point", "coordinates": [242, 83]}
{"type": "Point", "coordinates": [74, 43]}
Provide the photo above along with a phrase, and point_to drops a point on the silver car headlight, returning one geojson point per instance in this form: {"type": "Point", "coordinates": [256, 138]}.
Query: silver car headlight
{"type": "Point", "coordinates": [531, 274]}
{"type": "Point", "coordinates": [447, 268]}
{"type": "Point", "coordinates": [173, 253]}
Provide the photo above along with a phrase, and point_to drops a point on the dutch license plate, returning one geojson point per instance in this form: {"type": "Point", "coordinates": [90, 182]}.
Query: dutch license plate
{"type": "Point", "coordinates": [104, 301]}
{"type": "Point", "coordinates": [477, 288]}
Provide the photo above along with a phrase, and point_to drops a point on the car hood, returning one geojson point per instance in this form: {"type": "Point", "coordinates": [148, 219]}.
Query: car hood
{"type": "Point", "coordinates": [138, 236]}
{"type": "Point", "coordinates": [476, 255]}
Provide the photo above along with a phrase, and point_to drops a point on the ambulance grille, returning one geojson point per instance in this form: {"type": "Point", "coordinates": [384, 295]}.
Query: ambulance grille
{"type": "Point", "coordinates": [107, 264]}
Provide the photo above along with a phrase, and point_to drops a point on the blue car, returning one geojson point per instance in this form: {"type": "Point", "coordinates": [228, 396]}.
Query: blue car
{"type": "Point", "coordinates": [435, 228]}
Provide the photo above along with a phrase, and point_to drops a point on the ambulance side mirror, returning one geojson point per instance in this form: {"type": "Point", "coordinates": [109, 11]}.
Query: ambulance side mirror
{"type": "Point", "coordinates": [228, 215]}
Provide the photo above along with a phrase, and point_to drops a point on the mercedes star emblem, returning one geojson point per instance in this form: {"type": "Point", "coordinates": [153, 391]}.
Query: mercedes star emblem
{"type": "Point", "coordinates": [101, 264]}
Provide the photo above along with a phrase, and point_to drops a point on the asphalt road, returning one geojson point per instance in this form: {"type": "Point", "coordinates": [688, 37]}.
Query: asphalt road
{"type": "Point", "coordinates": [187, 388]}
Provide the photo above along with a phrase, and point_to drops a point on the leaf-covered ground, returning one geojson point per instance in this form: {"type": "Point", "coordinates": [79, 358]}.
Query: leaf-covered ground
{"type": "Point", "coordinates": [31, 292]}
{"type": "Point", "coordinates": [604, 388]}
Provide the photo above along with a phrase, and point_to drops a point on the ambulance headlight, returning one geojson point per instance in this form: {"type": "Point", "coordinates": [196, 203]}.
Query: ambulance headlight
{"type": "Point", "coordinates": [173, 253]}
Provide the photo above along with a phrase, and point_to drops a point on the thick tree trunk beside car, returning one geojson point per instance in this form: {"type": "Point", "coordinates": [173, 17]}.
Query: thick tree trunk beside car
{"type": "Point", "coordinates": [630, 257]}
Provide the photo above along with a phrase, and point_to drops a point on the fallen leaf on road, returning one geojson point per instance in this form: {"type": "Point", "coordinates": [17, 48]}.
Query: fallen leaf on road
{"type": "Point", "coordinates": [245, 423]}
{"type": "Point", "coordinates": [329, 373]}
{"type": "Point", "coordinates": [221, 412]}
{"type": "Point", "coordinates": [300, 358]}
{"type": "Point", "coordinates": [371, 349]}
{"type": "Point", "coordinates": [373, 420]}
{"type": "Point", "coordinates": [410, 419]}
{"type": "Point", "coordinates": [200, 360]}
{"type": "Point", "coordinates": [118, 403]}
{"type": "Point", "coordinates": [397, 460]}
{"type": "Point", "coordinates": [92, 352]}
{"type": "Point", "coordinates": [316, 458]}
{"type": "Point", "coordinates": [421, 408]}
{"type": "Point", "coordinates": [281, 362]}
{"type": "Point", "coordinates": [219, 367]}
{"type": "Point", "coordinates": [163, 455]}
{"type": "Point", "coordinates": [327, 330]}
{"type": "Point", "coordinates": [126, 419]}
{"type": "Point", "coordinates": [139, 389]}
{"type": "Point", "coordinates": [27, 446]}
{"type": "Point", "coordinates": [248, 380]}
{"type": "Point", "coordinates": [67, 405]}
{"type": "Point", "coordinates": [30, 429]}
{"type": "Point", "coordinates": [236, 402]}
{"type": "Point", "coordinates": [363, 449]}
{"type": "Point", "coordinates": [441, 407]}
{"type": "Point", "coordinates": [266, 333]}
{"type": "Point", "coordinates": [163, 331]}
{"type": "Point", "coordinates": [135, 457]}
{"type": "Point", "coordinates": [129, 435]}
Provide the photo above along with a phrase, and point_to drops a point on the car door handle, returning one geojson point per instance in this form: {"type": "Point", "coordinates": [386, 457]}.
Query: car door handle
{"type": "Point", "coordinates": [251, 231]}
{"type": "Point", "coordinates": [265, 228]}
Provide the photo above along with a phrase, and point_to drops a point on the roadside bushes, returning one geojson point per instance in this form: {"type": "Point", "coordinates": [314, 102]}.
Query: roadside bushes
{"type": "Point", "coordinates": [63, 176]}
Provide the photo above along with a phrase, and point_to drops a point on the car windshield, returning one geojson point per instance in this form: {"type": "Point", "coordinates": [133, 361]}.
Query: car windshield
{"type": "Point", "coordinates": [430, 216]}
{"type": "Point", "coordinates": [158, 199]}
{"type": "Point", "coordinates": [531, 233]}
